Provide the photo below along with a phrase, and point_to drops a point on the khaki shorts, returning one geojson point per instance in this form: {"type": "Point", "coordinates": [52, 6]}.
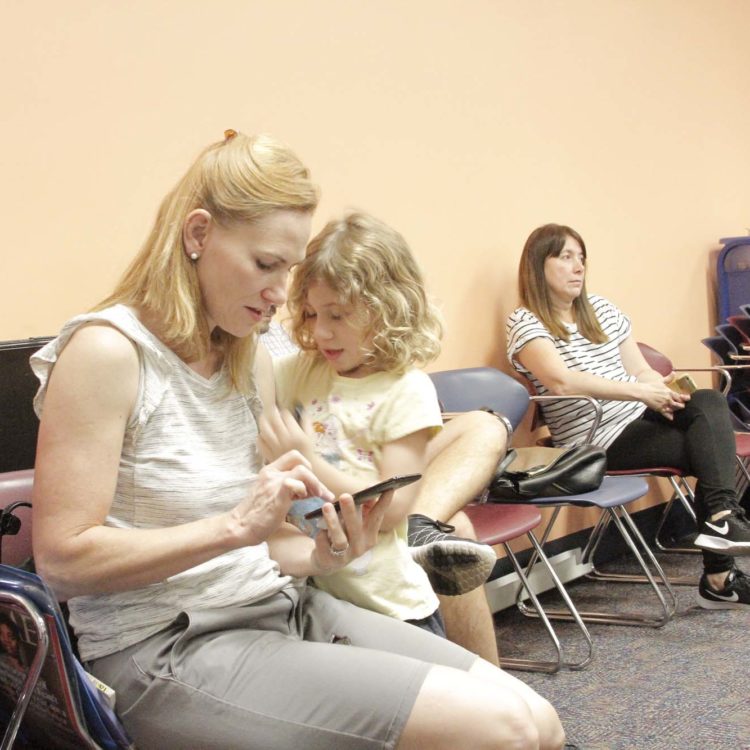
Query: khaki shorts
{"type": "Point", "coordinates": [297, 670]}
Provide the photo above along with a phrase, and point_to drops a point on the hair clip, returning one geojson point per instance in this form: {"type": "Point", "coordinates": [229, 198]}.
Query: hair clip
{"type": "Point", "coordinates": [229, 134]}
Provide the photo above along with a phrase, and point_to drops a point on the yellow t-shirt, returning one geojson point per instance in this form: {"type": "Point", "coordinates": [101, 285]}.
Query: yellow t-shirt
{"type": "Point", "coordinates": [352, 419]}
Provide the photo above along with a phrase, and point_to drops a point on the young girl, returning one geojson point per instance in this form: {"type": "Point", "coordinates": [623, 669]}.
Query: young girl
{"type": "Point", "coordinates": [364, 324]}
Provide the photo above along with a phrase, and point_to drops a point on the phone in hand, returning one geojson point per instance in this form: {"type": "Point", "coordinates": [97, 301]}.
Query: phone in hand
{"type": "Point", "coordinates": [307, 514]}
{"type": "Point", "coordinates": [368, 493]}
{"type": "Point", "coordinates": [683, 384]}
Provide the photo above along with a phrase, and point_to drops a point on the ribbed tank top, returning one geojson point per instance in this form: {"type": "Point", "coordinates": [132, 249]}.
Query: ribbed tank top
{"type": "Point", "coordinates": [189, 452]}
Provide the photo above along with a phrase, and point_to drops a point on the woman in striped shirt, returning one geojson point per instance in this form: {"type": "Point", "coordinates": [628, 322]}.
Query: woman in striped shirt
{"type": "Point", "coordinates": [569, 342]}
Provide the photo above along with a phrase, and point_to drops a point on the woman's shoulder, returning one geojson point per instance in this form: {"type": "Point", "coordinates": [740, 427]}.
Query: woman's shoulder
{"type": "Point", "coordinates": [112, 324]}
{"type": "Point", "coordinates": [104, 343]}
{"type": "Point", "coordinates": [605, 309]}
{"type": "Point", "coordinates": [92, 354]}
{"type": "Point", "coordinates": [521, 312]}
{"type": "Point", "coordinates": [523, 322]}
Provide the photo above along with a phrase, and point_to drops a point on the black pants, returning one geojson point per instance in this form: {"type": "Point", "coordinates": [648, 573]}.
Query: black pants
{"type": "Point", "coordinates": [700, 441]}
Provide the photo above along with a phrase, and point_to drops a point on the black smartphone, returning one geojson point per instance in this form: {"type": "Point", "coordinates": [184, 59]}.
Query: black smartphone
{"type": "Point", "coordinates": [369, 492]}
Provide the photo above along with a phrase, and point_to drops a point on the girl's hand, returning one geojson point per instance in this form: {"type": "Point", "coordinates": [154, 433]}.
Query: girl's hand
{"type": "Point", "coordinates": [287, 478]}
{"type": "Point", "coordinates": [280, 433]}
{"type": "Point", "coordinates": [350, 535]}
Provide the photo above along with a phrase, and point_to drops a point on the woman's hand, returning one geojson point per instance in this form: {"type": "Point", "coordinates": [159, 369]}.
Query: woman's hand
{"type": "Point", "coordinates": [287, 478]}
{"type": "Point", "coordinates": [280, 433]}
{"type": "Point", "coordinates": [350, 534]}
{"type": "Point", "coordinates": [660, 398]}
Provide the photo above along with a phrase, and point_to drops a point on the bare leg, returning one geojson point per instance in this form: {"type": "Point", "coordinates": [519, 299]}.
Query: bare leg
{"type": "Point", "coordinates": [468, 622]}
{"type": "Point", "coordinates": [462, 459]}
{"type": "Point", "coordinates": [482, 708]}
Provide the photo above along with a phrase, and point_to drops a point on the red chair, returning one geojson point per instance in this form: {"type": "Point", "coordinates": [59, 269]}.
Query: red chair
{"type": "Point", "coordinates": [500, 524]}
{"type": "Point", "coordinates": [663, 365]}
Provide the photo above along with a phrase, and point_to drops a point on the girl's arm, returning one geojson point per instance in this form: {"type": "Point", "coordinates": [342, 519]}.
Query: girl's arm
{"type": "Point", "coordinates": [542, 358]}
{"type": "Point", "coordinates": [279, 432]}
{"type": "Point", "coordinates": [89, 399]}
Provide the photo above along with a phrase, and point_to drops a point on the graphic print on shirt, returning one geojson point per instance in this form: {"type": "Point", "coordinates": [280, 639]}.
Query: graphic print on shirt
{"type": "Point", "coordinates": [328, 437]}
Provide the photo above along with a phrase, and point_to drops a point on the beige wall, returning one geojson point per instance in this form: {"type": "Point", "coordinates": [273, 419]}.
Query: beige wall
{"type": "Point", "coordinates": [464, 124]}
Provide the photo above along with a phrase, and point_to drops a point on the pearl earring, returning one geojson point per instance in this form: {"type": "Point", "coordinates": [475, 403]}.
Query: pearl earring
{"type": "Point", "coordinates": [194, 256]}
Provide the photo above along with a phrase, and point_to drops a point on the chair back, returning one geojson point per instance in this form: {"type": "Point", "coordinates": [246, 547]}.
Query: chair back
{"type": "Point", "coordinates": [733, 275]}
{"type": "Point", "coordinates": [742, 324]}
{"type": "Point", "coordinates": [656, 360]}
{"type": "Point", "coordinates": [733, 336]}
{"type": "Point", "coordinates": [474, 388]}
{"type": "Point", "coordinates": [721, 348]}
{"type": "Point", "coordinates": [19, 422]}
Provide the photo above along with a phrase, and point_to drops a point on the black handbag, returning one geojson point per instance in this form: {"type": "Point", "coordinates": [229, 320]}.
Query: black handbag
{"type": "Point", "coordinates": [562, 471]}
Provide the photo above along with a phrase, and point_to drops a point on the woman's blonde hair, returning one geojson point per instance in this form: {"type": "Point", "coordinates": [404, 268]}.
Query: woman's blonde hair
{"type": "Point", "coordinates": [545, 242]}
{"type": "Point", "coordinates": [369, 265]}
{"type": "Point", "coordinates": [240, 179]}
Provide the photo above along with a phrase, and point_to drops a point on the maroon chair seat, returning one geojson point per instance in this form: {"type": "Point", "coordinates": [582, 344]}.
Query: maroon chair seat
{"type": "Point", "coordinates": [497, 524]}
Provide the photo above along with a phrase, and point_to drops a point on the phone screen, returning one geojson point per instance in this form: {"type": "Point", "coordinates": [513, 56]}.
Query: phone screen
{"type": "Point", "coordinates": [369, 492]}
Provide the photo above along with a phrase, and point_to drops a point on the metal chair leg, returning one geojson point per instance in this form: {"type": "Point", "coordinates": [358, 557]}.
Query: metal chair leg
{"type": "Point", "coordinates": [630, 538]}
{"type": "Point", "coordinates": [589, 553]}
{"type": "Point", "coordinates": [682, 496]}
{"type": "Point", "coordinates": [546, 666]}
{"type": "Point", "coordinates": [616, 618]}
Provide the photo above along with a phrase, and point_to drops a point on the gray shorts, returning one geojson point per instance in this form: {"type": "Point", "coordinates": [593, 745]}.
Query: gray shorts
{"type": "Point", "coordinates": [295, 670]}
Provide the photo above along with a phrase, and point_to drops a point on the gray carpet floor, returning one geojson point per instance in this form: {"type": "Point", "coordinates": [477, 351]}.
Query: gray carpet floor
{"type": "Point", "coordinates": [685, 686]}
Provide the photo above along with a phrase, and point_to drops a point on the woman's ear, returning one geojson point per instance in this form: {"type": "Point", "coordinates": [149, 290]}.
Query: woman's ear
{"type": "Point", "coordinates": [195, 232]}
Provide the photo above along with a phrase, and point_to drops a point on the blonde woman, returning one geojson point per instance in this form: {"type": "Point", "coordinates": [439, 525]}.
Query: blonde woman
{"type": "Point", "coordinates": [154, 516]}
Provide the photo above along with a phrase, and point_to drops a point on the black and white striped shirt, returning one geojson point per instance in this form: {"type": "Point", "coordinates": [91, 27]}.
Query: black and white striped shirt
{"type": "Point", "coordinates": [568, 420]}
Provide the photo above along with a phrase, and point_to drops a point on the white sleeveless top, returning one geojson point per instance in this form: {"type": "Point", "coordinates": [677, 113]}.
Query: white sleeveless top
{"type": "Point", "coordinates": [189, 452]}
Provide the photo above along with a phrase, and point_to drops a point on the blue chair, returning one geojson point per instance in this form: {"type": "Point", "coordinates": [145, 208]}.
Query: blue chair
{"type": "Point", "coordinates": [487, 387]}
{"type": "Point", "coordinates": [733, 275]}
{"type": "Point", "coordinates": [46, 697]}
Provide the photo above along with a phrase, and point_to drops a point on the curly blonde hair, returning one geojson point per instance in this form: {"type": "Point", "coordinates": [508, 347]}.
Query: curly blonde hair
{"type": "Point", "coordinates": [238, 180]}
{"type": "Point", "coordinates": [369, 265]}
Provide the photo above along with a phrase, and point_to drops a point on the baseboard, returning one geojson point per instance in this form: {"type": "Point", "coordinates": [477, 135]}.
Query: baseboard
{"type": "Point", "coordinates": [501, 591]}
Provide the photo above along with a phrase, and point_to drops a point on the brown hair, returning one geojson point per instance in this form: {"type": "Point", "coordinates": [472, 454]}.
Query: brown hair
{"type": "Point", "coordinates": [545, 242]}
